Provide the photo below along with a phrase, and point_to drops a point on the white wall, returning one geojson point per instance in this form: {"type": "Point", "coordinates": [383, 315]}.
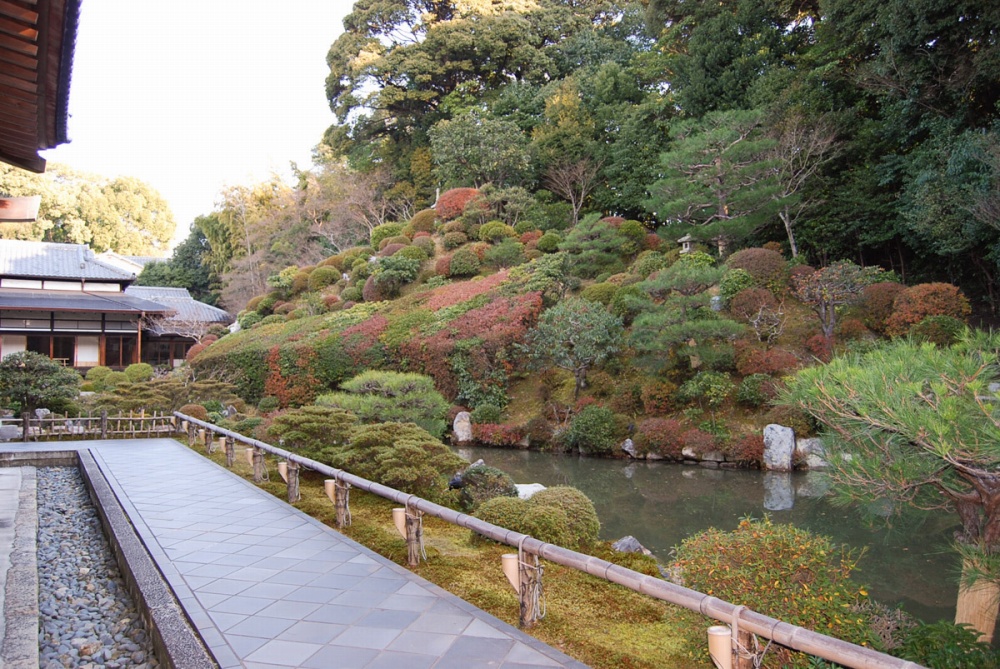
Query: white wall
{"type": "Point", "coordinates": [88, 351]}
{"type": "Point", "coordinates": [10, 343]}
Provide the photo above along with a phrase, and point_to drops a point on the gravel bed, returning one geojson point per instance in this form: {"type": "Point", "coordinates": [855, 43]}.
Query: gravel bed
{"type": "Point", "coordinates": [86, 617]}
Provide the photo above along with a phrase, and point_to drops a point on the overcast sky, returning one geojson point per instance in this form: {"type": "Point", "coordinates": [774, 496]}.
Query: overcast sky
{"type": "Point", "coordinates": [193, 95]}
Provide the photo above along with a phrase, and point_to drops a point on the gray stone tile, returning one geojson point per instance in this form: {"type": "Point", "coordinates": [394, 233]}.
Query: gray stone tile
{"type": "Point", "coordinates": [312, 632]}
{"type": "Point", "coordinates": [524, 654]}
{"type": "Point", "coordinates": [330, 613]}
{"type": "Point", "coordinates": [390, 619]}
{"type": "Point", "coordinates": [244, 645]}
{"type": "Point", "coordinates": [396, 660]}
{"type": "Point", "coordinates": [356, 636]}
{"type": "Point", "coordinates": [260, 627]}
{"type": "Point", "coordinates": [293, 577]}
{"type": "Point", "coordinates": [406, 603]}
{"type": "Point", "coordinates": [341, 658]}
{"type": "Point", "coordinates": [289, 609]}
{"type": "Point", "coordinates": [268, 590]}
{"type": "Point", "coordinates": [284, 653]}
{"type": "Point", "coordinates": [436, 622]}
{"type": "Point", "coordinates": [426, 643]}
{"type": "Point", "coordinates": [240, 604]}
{"type": "Point", "coordinates": [225, 586]}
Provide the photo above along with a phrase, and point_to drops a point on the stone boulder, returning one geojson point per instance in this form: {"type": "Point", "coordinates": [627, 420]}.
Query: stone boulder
{"type": "Point", "coordinates": [9, 432]}
{"type": "Point", "coordinates": [779, 447]}
{"type": "Point", "coordinates": [461, 429]}
{"type": "Point", "coordinates": [526, 490]}
{"type": "Point", "coordinates": [812, 453]}
{"type": "Point", "coordinates": [629, 447]}
{"type": "Point", "coordinates": [630, 544]}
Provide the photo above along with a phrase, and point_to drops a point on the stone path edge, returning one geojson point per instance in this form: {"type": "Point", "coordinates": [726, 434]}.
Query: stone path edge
{"type": "Point", "coordinates": [20, 600]}
{"type": "Point", "coordinates": [177, 644]}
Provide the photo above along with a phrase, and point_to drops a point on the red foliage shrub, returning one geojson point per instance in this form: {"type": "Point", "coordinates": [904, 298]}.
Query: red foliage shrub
{"type": "Point", "coordinates": [462, 291]}
{"type": "Point", "coordinates": [852, 328]}
{"type": "Point", "coordinates": [421, 233]}
{"type": "Point", "coordinates": [583, 403]}
{"type": "Point", "coordinates": [495, 327]}
{"type": "Point", "coordinates": [699, 441]}
{"type": "Point", "coordinates": [774, 246]}
{"type": "Point", "coordinates": [926, 299]}
{"type": "Point", "coordinates": [531, 236]}
{"type": "Point", "coordinates": [361, 341]}
{"type": "Point", "coordinates": [748, 302]}
{"type": "Point", "coordinates": [330, 300]}
{"type": "Point", "coordinates": [798, 272]}
{"type": "Point", "coordinates": [371, 292]}
{"type": "Point", "coordinates": [442, 266]}
{"type": "Point", "coordinates": [391, 249]}
{"type": "Point", "coordinates": [453, 411]}
{"type": "Point", "coordinates": [283, 308]}
{"type": "Point", "coordinates": [209, 339]}
{"type": "Point", "coordinates": [821, 347]}
{"type": "Point", "coordinates": [452, 202]}
{"type": "Point", "coordinates": [658, 397]}
{"type": "Point", "coordinates": [494, 434]}
{"type": "Point", "coordinates": [454, 226]}
{"type": "Point", "coordinates": [765, 266]}
{"type": "Point", "coordinates": [290, 378]}
{"type": "Point", "coordinates": [652, 242]}
{"type": "Point", "coordinates": [661, 436]}
{"type": "Point", "coordinates": [751, 359]}
{"type": "Point", "coordinates": [613, 221]}
{"type": "Point", "coordinates": [747, 449]}
{"type": "Point", "coordinates": [877, 302]}
{"type": "Point", "coordinates": [194, 351]}
{"type": "Point", "coordinates": [423, 221]}
{"type": "Point", "coordinates": [195, 411]}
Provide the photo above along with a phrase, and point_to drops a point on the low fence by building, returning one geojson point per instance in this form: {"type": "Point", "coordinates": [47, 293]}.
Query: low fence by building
{"type": "Point", "coordinates": [52, 427]}
{"type": "Point", "coordinates": [742, 620]}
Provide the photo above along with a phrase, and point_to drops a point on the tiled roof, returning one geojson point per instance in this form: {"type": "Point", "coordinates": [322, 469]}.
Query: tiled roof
{"type": "Point", "coordinates": [45, 260]}
{"type": "Point", "coordinates": [128, 263]}
{"type": "Point", "coordinates": [46, 300]}
{"type": "Point", "coordinates": [186, 308]}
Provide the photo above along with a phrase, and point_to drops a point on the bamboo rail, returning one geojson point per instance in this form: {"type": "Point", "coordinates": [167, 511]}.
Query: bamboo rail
{"type": "Point", "coordinates": [740, 617]}
{"type": "Point", "coordinates": [102, 426]}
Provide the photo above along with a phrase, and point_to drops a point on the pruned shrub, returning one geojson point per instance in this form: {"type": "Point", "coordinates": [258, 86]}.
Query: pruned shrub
{"type": "Point", "coordinates": [452, 202]}
{"type": "Point", "coordinates": [820, 347]}
{"type": "Point", "coordinates": [464, 262]}
{"type": "Point", "coordinates": [747, 450]}
{"type": "Point", "coordinates": [496, 231]}
{"type": "Point", "coordinates": [486, 413]}
{"type": "Point", "coordinates": [96, 376]}
{"type": "Point", "coordinates": [601, 293]}
{"type": "Point", "coordinates": [323, 276]}
{"type": "Point", "coordinates": [947, 645]}
{"type": "Point", "coordinates": [595, 431]}
{"type": "Point", "coordinates": [386, 396]}
{"type": "Point", "coordinates": [506, 512]}
{"type": "Point", "coordinates": [877, 302]}
{"type": "Point", "coordinates": [195, 411]}
{"type": "Point", "coordinates": [351, 294]}
{"type": "Point", "coordinates": [710, 388]}
{"type": "Point", "coordinates": [401, 456]}
{"type": "Point", "coordinates": [750, 302]}
{"type": "Point", "coordinates": [310, 430]}
{"type": "Point", "coordinates": [658, 397]}
{"type": "Point", "coordinates": [390, 250]}
{"type": "Point", "coordinates": [481, 483]}
{"type": "Point", "coordinates": [648, 262]}
{"type": "Point", "coordinates": [807, 578]}
{"type": "Point", "coordinates": [926, 299]}
{"type": "Point", "coordinates": [442, 266]}
{"type": "Point", "coordinates": [412, 253]}
{"type": "Point", "coordinates": [425, 244]}
{"type": "Point", "coordinates": [248, 319]}
{"type": "Point", "coordinates": [789, 416]}
{"type": "Point", "coordinates": [508, 253]}
{"type": "Point", "coordinates": [423, 221]}
{"type": "Point", "coordinates": [272, 319]}
{"type": "Point", "coordinates": [371, 292]}
{"type": "Point", "coordinates": [383, 232]}
{"type": "Point", "coordinates": [138, 372]}
{"type": "Point", "coordinates": [496, 434]}
{"type": "Point", "coordinates": [453, 240]}
{"type": "Point", "coordinates": [768, 268]}
{"type": "Point", "coordinates": [549, 242]}
{"type": "Point", "coordinates": [939, 330]}
{"type": "Point", "coordinates": [756, 390]}
{"type": "Point", "coordinates": [584, 525]}
{"type": "Point", "coordinates": [698, 441]}
{"type": "Point", "coordinates": [660, 436]}
{"type": "Point", "coordinates": [750, 359]}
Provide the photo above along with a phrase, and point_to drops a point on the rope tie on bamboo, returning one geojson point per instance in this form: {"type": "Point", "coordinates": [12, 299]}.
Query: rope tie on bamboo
{"type": "Point", "coordinates": [346, 487]}
{"type": "Point", "coordinates": [414, 512]}
{"type": "Point", "coordinates": [537, 594]}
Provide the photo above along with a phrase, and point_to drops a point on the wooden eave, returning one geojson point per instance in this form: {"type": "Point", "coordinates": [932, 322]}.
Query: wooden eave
{"type": "Point", "coordinates": [37, 38]}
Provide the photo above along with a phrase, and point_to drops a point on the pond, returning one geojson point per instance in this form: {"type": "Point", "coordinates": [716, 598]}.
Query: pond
{"type": "Point", "coordinates": [909, 564]}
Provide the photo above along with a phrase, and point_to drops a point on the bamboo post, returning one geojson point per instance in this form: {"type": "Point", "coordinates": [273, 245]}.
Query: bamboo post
{"type": "Point", "coordinates": [530, 576]}
{"type": "Point", "coordinates": [230, 451]}
{"type": "Point", "coordinates": [209, 440]}
{"type": "Point", "coordinates": [414, 535]}
{"type": "Point", "coordinates": [258, 464]}
{"type": "Point", "coordinates": [104, 424]}
{"type": "Point", "coordinates": [341, 492]}
{"type": "Point", "coordinates": [191, 434]}
{"type": "Point", "coordinates": [293, 482]}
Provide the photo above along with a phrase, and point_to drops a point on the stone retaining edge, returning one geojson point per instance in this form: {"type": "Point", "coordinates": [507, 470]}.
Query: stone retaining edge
{"type": "Point", "coordinates": [20, 643]}
{"type": "Point", "coordinates": [175, 641]}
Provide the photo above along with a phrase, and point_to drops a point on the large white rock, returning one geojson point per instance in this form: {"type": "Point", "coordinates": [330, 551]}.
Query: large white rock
{"type": "Point", "coordinates": [526, 490]}
{"type": "Point", "coordinates": [461, 429]}
{"type": "Point", "coordinates": [779, 447]}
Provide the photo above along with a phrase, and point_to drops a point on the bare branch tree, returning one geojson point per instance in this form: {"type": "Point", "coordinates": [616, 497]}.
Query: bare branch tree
{"type": "Point", "coordinates": [573, 181]}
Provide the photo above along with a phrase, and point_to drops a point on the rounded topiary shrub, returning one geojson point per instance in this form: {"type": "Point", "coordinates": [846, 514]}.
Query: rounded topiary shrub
{"type": "Point", "coordinates": [486, 413]}
{"type": "Point", "coordinates": [390, 250]}
{"type": "Point", "coordinates": [750, 302]}
{"type": "Point", "coordinates": [734, 281]}
{"type": "Point", "coordinates": [402, 240]}
{"type": "Point", "coordinates": [425, 244]}
{"type": "Point", "coordinates": [768, 268]}
{"type": "Point", "coordinates": [249, 319]}
{"type": "Point", "coordinates": [507, 512]}
{"type": "Point", "coordinates": [96, 375]}
{"type": "Point", "coordinates": [412, 252]}
{"type": "Point", "coordinates": [195, 411]}
{"type": "Point", "coordinates": [423, 221]}
{"type": "Point", "coordinates": [138, 372]}
{"type": "Point", "coordinates": [549, 524]}
{"type": "Point", "coordinates": [384, 231]}
{"type": "Point", "coordinates": [452, 240]}
{"type": "Point", "coordinates": [596, 430]}
{"type": "Point", "coordinates": [660, 436]}
{"type": "Point", "coordinates": [601, 293]}
{"type": "Point", "coordinates": [939, 330]}
{"type": "Point", "coordinates": [926, 299]}
{"type": "Point", "coordinates": [756, 390]}
{"type": "Point", "coordinates": [464, 262]}
{"type": "Point", "coordinates": [648, 262]}
{"type": "Point", "coordinates": [482, 482]}
{"type": "Point", "coordinates": [452, 202]}
{"type": "Point", "coordinates": [273, 318]}
{"type": "Point", "coordinates": [877, 301]}
{"type": "Point", "coordinates": [323, 276]}
{"type": "Point", "coordinates": [807, 578]}
{"type": "Point", "coordinates": [351, 294]}
{"type": "Point", "coordinates": [584, 525]}
{"type": "Point", "coordinates": [549, 242]}
{"type": "Point", "coordinates": [268, 403]}
{"type": "Point", "coordinates": [115, 379]}
{"type": "Point", "coordinates": [495, 231]}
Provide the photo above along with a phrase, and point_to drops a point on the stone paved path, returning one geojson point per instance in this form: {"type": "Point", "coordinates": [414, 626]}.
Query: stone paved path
{"type": "Point", "coordinates": [267, 586]}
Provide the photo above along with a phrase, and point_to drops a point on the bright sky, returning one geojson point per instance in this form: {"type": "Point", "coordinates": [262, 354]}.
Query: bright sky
{"type": "Point", "coordinates": [194, 95]}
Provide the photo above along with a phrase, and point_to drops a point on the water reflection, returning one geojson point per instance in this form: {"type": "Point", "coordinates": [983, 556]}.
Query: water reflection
{"type": "Point", "coordinates": [660, 504]}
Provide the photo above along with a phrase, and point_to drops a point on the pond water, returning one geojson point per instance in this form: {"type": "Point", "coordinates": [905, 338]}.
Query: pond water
{"type": "Point", "coordinates": [909, 563]}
